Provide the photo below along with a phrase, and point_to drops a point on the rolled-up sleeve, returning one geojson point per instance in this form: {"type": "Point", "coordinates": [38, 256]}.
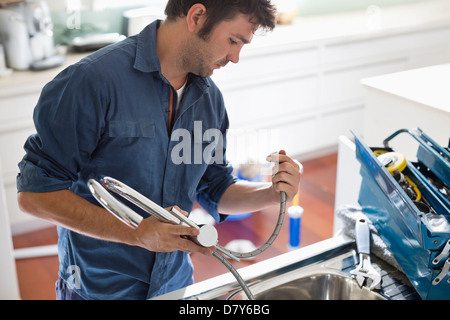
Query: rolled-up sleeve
{"type": "Point", "coordinates": [68, 120]}
{"type": "Point", "coordinates": [214, 183]}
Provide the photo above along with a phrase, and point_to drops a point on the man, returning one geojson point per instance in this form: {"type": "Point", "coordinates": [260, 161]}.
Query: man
{"type": "Point", "coordinates": [117, 113]}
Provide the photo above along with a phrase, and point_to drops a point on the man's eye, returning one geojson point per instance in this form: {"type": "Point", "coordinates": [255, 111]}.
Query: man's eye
{"type": "Point", "coordinates": [233, 41]}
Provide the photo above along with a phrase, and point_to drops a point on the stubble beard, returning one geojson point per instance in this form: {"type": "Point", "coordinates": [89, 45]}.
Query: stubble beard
{"type": "Point", "coordinates": [195, 58]}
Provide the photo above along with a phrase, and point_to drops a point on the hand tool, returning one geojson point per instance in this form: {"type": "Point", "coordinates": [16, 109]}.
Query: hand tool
{"type": "Point", "coordinates": [364, 270]}
{"type": "Point", "coordinates": [444, 272]}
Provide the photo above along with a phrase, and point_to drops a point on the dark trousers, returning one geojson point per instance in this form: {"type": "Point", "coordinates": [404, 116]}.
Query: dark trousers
{"type": "Point", "coordinates": [63, 292]}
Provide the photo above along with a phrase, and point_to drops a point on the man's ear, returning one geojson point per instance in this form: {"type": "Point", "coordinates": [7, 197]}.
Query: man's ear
{"type": "Point", "coordinates": [196, 17]}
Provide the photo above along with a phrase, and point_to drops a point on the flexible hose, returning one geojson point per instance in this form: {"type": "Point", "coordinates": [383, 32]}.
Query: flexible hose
{"type": "Point", "coordinates": [234, 272]}
{"type": "Point", "coordinates": [272, 238]}
{"type": "Point", "coordinates": [255, 252]}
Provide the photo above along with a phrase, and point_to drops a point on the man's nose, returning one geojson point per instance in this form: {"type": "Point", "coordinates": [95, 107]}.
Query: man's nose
{"type": "Point", "coordinates": [233, 56]}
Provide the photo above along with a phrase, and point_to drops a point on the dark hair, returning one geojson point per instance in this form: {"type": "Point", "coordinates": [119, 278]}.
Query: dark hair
{"type": "Point", "coordinates": [261, 12]}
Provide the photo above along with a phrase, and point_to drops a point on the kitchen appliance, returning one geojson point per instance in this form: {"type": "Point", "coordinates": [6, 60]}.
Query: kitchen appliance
{"type": "Point", "coordinates": [26, 31]}
{"type": "Point", "coordinates": [94, 41]}
{"type": "Point", "coordinates": [409, 205]}
{"type": "Point", "coordinates": [135, 20]}
{"type": "Point", "coordinates": [3, 69]}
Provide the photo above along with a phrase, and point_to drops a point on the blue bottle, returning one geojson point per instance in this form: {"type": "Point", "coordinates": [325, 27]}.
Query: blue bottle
{"type": "Point", "coordinates": [295, 217]}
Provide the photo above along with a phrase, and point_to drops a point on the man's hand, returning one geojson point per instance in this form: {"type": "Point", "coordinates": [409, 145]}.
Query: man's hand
{"type": "Point", "coordinates": [285, 175]}
{"type": "Point", "coordinates": [157, 236]}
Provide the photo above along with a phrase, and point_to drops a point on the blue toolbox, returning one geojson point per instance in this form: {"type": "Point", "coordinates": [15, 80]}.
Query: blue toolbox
{"type": "Point", "coordinates": [409, 205]}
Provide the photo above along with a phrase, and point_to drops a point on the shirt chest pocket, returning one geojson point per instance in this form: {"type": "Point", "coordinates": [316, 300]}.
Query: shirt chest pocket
{"type": "Point", "coordinates": [131, 129]}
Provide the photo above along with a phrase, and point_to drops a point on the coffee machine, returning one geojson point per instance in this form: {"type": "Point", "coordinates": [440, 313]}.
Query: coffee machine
{"type": "Point", "coordinates": [26, 32]}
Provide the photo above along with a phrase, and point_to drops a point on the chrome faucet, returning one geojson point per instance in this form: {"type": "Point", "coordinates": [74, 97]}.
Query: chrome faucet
{"type": "Point", "coordinates": [207, 237]}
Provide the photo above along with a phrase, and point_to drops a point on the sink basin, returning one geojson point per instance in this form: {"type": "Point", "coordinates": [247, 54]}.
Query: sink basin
{"type": "Point", "coordinates": [325, 285]}
{"type": "Point", "coordinates": [320, 271]}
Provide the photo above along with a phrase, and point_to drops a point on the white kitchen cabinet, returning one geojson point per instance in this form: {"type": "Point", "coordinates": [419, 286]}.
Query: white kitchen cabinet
{"type": "Point", "coordinates": [19, 93]}
{"type": "Point", "coordinates": [9, 288]}
{"type": "Point", "coordinates": [16, 125]}
{"type": "Point", "coordinates": [290, 96]}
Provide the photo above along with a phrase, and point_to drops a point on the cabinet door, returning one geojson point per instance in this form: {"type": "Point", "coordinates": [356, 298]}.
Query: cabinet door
{"type": "Point", "coordinates": [16, 125]}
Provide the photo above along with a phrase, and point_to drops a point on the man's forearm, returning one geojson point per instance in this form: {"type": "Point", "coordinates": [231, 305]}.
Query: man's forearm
{"type": "Point", "coordinates": [69, 210]}
{"type": "Point", "coordinates": [245, 196]}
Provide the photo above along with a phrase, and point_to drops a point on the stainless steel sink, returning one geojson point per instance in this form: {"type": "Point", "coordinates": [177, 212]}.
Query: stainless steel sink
{"type": "Point", "coordinates": [325, 285]}
{"type": "Point", "coordinates": [320, 271]}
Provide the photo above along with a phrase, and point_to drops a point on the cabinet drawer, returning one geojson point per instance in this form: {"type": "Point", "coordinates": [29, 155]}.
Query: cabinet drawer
{"type": "Point", "coordinates": [271, 101]}
{"type": "Point", "coordinates": [344, 84]}
{"type": "Point", "coordinates": [11, 146]}
{"type": "Point", "coordinates": [17, 109]}
{"type": "Point", "coordinates": [267, 66]}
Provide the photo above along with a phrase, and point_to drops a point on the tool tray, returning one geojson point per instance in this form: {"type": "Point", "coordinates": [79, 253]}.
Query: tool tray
{"type": "Point", "coordinates": [419, 240]}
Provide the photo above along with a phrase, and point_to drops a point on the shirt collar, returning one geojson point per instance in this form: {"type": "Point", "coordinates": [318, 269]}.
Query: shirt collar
{"type": "Point", "coordinates": [147, 59]}
{"type": "Point", "coordinates": [146, 56]}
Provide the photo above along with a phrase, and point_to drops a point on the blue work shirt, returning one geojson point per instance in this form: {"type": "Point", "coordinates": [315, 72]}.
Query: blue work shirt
{"type": "Point", "coordinates": [107, 115]}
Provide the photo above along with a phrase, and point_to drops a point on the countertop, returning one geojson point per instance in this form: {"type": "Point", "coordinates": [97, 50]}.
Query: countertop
{"type": "Point", "coordinates": [427, 86]}
{"type": "Point", "coordinates": [20, 82]}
